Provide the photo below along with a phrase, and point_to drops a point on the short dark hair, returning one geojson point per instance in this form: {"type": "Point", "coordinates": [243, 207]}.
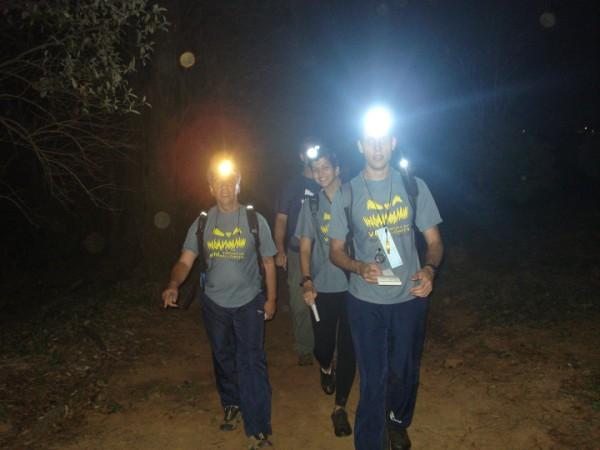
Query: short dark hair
{"type": "Point", "coordinates": [329, 155]}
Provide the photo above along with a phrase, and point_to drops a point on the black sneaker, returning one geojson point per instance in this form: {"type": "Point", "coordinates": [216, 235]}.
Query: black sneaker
{"type": "Point", "coordinates": [259, 440]}
{"type": "Point", "coordinates": [398, 438]}
{"type": "Point", "coordinates": [231, 418]}
{"type": "Point", "coordinates": [328, 381]}
{"type": "Point", "coordinates": [341, 426]}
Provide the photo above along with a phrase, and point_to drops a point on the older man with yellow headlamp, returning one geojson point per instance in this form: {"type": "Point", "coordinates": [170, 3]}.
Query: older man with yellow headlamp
{"type": "Point", "coordinates": [233, 303]}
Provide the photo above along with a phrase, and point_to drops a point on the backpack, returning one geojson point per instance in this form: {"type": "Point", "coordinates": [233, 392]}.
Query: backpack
{"type": "Point", "coordinates": [196, 278]}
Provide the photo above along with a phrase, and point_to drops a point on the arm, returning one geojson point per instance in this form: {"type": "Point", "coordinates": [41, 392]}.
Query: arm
{"type": "Point", "coordinates": [368, 271]}
{"type": "Point", "coordinates": [280, 226]}
{"type": "Point", "coordinates": [179, 273]}
{"type": "Point", "coordinates": [310, 293]}
{"type": "Point", "coordinates": [271, 282]}
{"type": "Point", "coordinates": [433, 255]}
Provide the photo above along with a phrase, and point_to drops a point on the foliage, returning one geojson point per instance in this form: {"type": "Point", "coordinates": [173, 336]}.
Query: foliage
{"type": "Point", "coordinates": [65, 89]}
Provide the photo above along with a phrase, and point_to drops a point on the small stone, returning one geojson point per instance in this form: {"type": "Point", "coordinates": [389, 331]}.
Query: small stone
{"type": "Point", "coordinates": [4, 427]}
{"type": "Point", "coordinates": [453, 363]}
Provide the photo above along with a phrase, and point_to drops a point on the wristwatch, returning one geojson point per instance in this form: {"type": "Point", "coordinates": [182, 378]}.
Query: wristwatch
{"type": "Point", "coordinates": [305, 279]}
{"type": "Point", "coordinates": [434, 268]}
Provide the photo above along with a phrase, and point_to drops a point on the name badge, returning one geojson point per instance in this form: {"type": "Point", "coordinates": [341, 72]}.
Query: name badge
{"type": "Point", "coordinates": [387, 243]}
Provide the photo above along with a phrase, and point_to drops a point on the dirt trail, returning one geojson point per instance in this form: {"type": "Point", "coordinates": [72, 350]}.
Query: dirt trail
{"type": "Point", "coordinates": [482, 388]}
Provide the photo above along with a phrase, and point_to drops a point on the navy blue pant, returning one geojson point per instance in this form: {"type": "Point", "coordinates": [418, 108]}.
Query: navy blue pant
{"type": "Point", "coordinates": [236, 337]}
{"type": "Point", "coordinates": [388, 341]}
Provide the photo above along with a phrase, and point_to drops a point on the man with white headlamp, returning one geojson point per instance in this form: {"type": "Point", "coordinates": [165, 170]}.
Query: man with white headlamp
{"type": "Point", "coordinates": [388, 289]}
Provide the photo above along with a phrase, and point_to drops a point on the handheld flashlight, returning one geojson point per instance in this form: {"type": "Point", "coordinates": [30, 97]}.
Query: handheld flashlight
{"type": "Point", "coordinates": [378, 122]}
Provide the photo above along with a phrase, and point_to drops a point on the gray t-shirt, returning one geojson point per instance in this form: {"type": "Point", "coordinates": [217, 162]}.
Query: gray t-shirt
{"type": "Point", "coordinates": [232, 275]}
{"type": "Point", "coordinates": [375, 205]}
{"type": "Point", "coordinates": [326, 276]}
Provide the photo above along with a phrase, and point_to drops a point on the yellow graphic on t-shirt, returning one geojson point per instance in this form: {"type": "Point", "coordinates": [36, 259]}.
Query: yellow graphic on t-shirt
{"type": "Point", "coordinates": [388, 214]}
{"type": "Point", "coordinates": [325, 226]}
{"type": "Point", "coordinates": [372, 205]}
{"type": "Point", "coordinates": [226, 244]}
{"type": "Point", "coordinates": [236, 230]}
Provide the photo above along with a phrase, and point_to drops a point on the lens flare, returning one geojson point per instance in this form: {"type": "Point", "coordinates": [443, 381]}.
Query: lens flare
{"type": "Point", "coordinates": [187, 59]}
{"type": "Point", "coordinates": [162, 220]}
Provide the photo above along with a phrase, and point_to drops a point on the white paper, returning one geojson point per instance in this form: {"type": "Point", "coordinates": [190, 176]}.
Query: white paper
{"type": "Point", "coordinates": [388, 279]}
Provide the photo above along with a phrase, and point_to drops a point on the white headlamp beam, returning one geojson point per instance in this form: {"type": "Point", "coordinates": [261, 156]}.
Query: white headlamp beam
{"type": "Point", "coordinates": [313, 151]}
{"type": "Point", "coordinates": [378, 122]}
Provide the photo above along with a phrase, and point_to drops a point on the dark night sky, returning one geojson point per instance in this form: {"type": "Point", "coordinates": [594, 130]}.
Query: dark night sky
{"type": "Point", "coordinates": [450, 70]}
{"type": "Point", "coordinates": [433, 60]}
{"type": "Point", "coordinates": [460, 74]}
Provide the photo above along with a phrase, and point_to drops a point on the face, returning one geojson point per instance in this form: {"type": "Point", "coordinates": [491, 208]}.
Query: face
{"type": "Point", "coordinates": [377, 152]}
{"type": "Point", "coordinates": [324, 172]}
{"type": "Point", "coordinates": [225, 189]}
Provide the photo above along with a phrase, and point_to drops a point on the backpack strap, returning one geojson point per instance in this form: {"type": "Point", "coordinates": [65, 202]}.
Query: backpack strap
{"type": "Point", "coordinates": [254, 230]}
{"type": "Point", "coordinates": [202, 218]}
{"type": "Point", "coordinates": [412, 189]}
{"type": "Point", "coordinates": [313, 202]}
{"type": "Point", "coordinates": [348, 212]}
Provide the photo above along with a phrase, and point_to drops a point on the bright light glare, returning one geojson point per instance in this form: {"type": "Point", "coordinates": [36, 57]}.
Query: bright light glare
{"type": "Point", "coordinates": [377, 122]}
{"type": "Point", "coordinates": [313, 152]}
{"type": "Point", "coordinates": [225, 168]}
{"type": "Point", "coordinates": [404, 163]}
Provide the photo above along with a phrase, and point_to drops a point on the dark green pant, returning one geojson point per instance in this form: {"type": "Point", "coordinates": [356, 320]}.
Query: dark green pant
{"type": "Point", "coordinates": [303, 333]}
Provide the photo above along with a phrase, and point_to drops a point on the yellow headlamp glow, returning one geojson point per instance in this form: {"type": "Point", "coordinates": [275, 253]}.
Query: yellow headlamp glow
{"type": "Point", "coordinates": [225, 168]}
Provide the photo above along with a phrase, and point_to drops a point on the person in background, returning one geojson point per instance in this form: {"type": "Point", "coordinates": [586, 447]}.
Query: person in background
{"type": "Point", "coordinates": [288, 257]}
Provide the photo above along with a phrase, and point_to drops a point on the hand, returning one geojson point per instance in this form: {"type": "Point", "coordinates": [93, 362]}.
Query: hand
{"type": "Point", "coordinates": [270, 309]}
{"type": "Point", "coordinates": [369, 272]}
{"type": "Point", "coordinates": [169, 297]}
{"type": "Point", "coordinates": [281, 260]}
{"type": "Point", "coordinates": [310, 293]}
{"type": "Point", "coordinates": [425, 285]}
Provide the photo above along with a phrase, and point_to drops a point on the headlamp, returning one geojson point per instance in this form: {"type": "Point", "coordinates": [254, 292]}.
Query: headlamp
{"type": "Point", "coordinates": [403, 163]}
{"type": "Point", "coordinates": [313, 152]}
{"type": "Point", "coordinates": [225, 168]}
{"type": "Point", "coordinates": [377, 122]}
